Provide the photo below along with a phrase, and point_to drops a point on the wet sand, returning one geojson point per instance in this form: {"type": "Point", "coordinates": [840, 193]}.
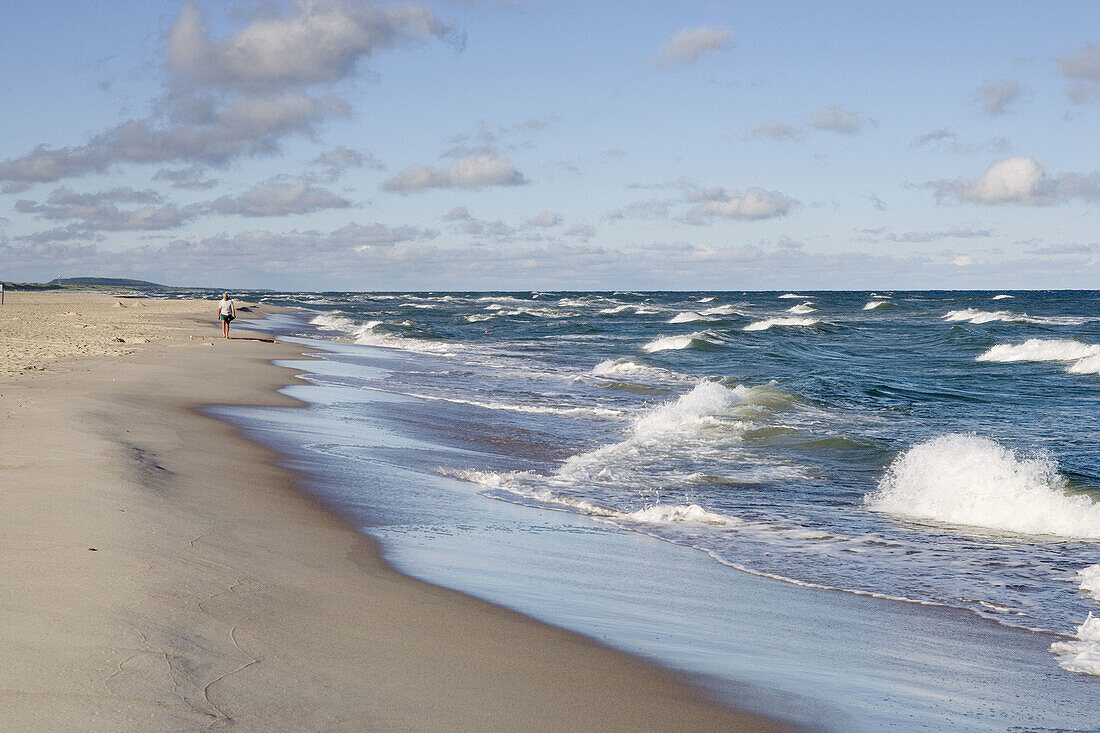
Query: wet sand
{"type": "Point", "coordinates": [163, 573]}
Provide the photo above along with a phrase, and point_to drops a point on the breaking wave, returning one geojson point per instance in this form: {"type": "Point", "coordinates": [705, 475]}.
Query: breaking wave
{"type": "Point", "coordinates": [1082, 358]}
{"type": "Point", "coordinates": [976, 316]}
{"type": "Point", "coordinates": [672, 343]}
{"type": "Point", "coordinates": [969, 480]}
{"type": "Point", "coordinates": [781, 321]}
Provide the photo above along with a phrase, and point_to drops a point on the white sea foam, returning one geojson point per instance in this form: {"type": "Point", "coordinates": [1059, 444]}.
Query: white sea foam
{"type": "Point", "coordinates": [790, 296]}
{"type": "Point", "coordinates": [617, 309]}
{"type": "Point", "coordinates": [1003, 297]}
{"type": "Point", "coordinates": [1041, 350]}
{"type": "Point", "coordinates": [677, 514]}
{"type": "Point", "coordinates": [671, 343]}
{"type": "Point", "coordinates": [706, 300]}
{"type": "Point", "coordinates": [1083, 358]}
{"type": "Point", "coordinates": [688, 317]}
{"type": "Point", "coordinates": [604, 412]}
{"type": "Point", "coordinates": [720, 310]}
{"type": "Point", "coordinates": [367, 334]}
{"type": "Point", "coordinates": [1083, 655]}
{"type": "Point", "coordinates": [970, 480]}
{"type": "Point", "coordinates": [802, 309]}
{"type": "Point", "coordinates": [619, 368]}
{"type": "Point", "coordinates": [781, 321]}
{"type": "Point", "coordinates": [1090, 580]}
{"type": "Point", "coordinates": [479, 317]}
{"type": "Point", "coordinates": [974, 315]}
{"type": "Point", "coordinates": [874, 304]}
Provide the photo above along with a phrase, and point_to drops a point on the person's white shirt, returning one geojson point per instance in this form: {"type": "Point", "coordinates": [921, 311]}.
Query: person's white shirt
{"type": "Point", "coordinates": [226, 306]}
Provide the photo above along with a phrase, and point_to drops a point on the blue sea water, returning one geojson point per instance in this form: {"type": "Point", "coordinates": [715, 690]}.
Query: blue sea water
{"type": "Point", "coordinates": [928, 453]}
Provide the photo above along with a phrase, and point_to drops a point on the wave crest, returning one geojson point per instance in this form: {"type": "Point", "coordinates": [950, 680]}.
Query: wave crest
{"type": "Point", "coordinates": [970, 480]}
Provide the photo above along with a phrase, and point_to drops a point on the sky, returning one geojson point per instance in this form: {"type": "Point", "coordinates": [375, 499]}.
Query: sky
{"type": "Point", "coordinates": [599, 145]}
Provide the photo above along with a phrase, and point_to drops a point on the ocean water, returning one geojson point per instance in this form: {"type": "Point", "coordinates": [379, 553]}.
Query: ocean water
{"type": "Point", "coordinates": [931, 450]}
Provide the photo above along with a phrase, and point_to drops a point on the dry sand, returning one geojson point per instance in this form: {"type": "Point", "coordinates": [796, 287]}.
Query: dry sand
{"type": "Point", "coordinates": [162, 573]}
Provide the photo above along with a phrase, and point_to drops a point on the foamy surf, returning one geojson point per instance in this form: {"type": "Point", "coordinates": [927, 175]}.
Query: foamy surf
{"type": "Point", "coordinates": [977, 316]}
{"type": "Point", "coordinates": [782, 321]}
{"type": "Point", "coordinates": [1081, 358]}
{"type": "Point", "coordinates": [802, 309]}
{"type": "Point", "coordinates": [876, 304]}
{"type": "Point", "coordinates": [965, 479]}
{"type": "Point", "coordinates": [674, 343]}
{"type": "Point", "coordinates": [791, 296]}
{"type": "Point", "coordinates": [1083, 655]}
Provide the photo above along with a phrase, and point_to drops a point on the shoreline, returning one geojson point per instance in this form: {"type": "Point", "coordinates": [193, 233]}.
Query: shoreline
{"type": "Point", "coordinates": [171, 572]}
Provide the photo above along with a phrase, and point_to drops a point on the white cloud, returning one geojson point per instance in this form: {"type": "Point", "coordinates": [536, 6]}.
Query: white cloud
{"type": "Point", "coordinates": [1021, 180]}
{"type": "Point", "coordinates": [190, 178]}
{"type": "Point", "coordinates": [545, 219]}
{"type": "Point", "coordinates": [475, 172]}
{"type": "Point", "coordinates": [837, 119]}
{"type": "Point", "coordinates": [1084, 68]}
{"type": "Point", "coordinates": [97, 212]}
{"type": "Point", "coordinates": [1015, 180]}
{"type": "Point", "coordinates": [775, 130]}
{"type": "Point", "coordinates": [279, 198]}
{"type": "Point", "coordinates": [241, 95]}
{"type": "Point", "coordinates": [690, 43]}
{"type": "Point", "coordinates": [320, 42]}
{"type": "Point", "coordinates": [753, 204]}
{"type": "Point", "coordinates": [335, 162]}
{"type": "Point", "coordinates": [995, 97]}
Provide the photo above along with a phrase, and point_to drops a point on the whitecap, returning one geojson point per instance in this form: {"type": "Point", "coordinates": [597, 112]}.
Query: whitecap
{"type": "Point", "coordinates": [677, 514]}
{"type": "Point", "coordinates": [672, 343]}
{"type": "Point", "coordinates": [970, 480]}
{"type": "Point", "coordinates": [874, 304]}
{"type": "Point", "coordinates": [1090, 580]}
{"type": "Point", "coordinates": [688, 317]}
{"type": "Point", "coordinates": [782, 321]}
{"type": "Point", "coordinates": [802, 309]}
{"type": "Point", "coordinates": [706, 300]}
{"type": "Point", "coordinates": [1083, 655]}
{"type": "Point", "coordinates": [977, 316]}
{"type": "Point", "coordinates": [720, 310]}
{"type": "Point", "coordinates": [1084, 358]}
{"type": "Point", "coordinates": [1002, 296]}
{"type": "Point", "coordinates": [793, 295]}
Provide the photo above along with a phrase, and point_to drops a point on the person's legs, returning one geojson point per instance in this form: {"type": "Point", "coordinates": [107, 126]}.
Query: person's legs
{"type": "Point", "coordinates": [225, 327]}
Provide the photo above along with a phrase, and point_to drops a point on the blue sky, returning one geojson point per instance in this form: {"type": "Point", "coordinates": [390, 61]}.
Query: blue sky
{"type": "Point", "coordinates": [341, 144]}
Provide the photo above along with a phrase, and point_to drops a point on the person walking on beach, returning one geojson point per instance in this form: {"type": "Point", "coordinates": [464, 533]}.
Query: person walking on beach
{"type": "Point", "coordinates": [228, 311]}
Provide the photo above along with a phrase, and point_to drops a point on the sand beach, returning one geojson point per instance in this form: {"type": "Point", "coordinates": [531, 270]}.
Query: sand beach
{"type": "Point", "coordinates": [163, 573]}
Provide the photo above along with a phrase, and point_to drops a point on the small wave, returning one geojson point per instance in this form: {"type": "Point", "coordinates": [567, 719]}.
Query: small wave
{"type": "Point", "coordinates": [976, 316]}
{"type": "Point", "coordinates": [1084, 358]}
{"type": "Point", "coordinates": [782, 321]}
{"type": "Point", "coordinates": [479, 317]}
{"type": "Point", "coordinates": [791, 296]}
{"type": "Point", "coordinates": [969, 480]}
{"type": "Point", "coordinates": [632, 369]}
{"type": "Point", "coordinates": [706, 300]}
{"type": "Point", "coordinates": [802, 309]}
{"type": "Point", "coordinates": [512, 407]}
{"type": "Point", "coordinates": [1090, 580]}
{"type": "Point", "coordinates": [720, 310]}
{"type": "Point", "coordinates": [876, 304]}
{"type": "Point", "coordinates": [1083, 655]}
{"type": "Point", "coordinates": [1002, 296]}
{"type": "Point", "coordinates": [677, 514]}
{"type": "Point", "coordinates": [688, 317]}
{"type": "Point", "coordinates": [672, 343]}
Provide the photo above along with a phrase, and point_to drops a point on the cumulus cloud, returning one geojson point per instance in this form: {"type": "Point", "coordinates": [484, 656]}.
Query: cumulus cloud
{"type": "Point", "coordinates": [335, 162]}
{"type": "Point", "coordinates": [837, 119]}
{"type": "Point", "coordinates": [320, 42]}
{"type": "Point", "coordinates": [240, 95]}
{"type": "Point", "coordinates": [944, 138]}
{"type": "Point", "coordinates": [92, 212]}
{"type": "Point", "coordinates": [193, 178]}
{"type": "Point", "coordinates": [753, 204]}
{"type": "Point", "coordinates": [279, 198]}
{"type": "Point", "coordinates": [458, 213]}
{"type": "Point", "coordinates": [652, 209]}
{"type": "Point", "coordinates": [1021, 180]}
{"type": "Point", "coordinates": [545, 219]}
{"type": "Point", "coordinates": [690, 43]}
{"type": "Point", "coordinates": [995, 97]}
{"type": "Point", "coordinates": [775, 130]}
{"type": "Point", "coordinates": [474, 172]}
{"type": "Point", "coordinates": [1083, 68]}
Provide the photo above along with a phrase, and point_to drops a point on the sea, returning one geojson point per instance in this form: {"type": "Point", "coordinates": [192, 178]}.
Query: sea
{"type": "Point", "coordinates": [850, 510]}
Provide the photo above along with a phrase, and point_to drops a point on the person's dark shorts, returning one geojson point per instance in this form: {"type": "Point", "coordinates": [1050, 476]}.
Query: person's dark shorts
{"type": "Point", "coordinates": [226, 318]}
